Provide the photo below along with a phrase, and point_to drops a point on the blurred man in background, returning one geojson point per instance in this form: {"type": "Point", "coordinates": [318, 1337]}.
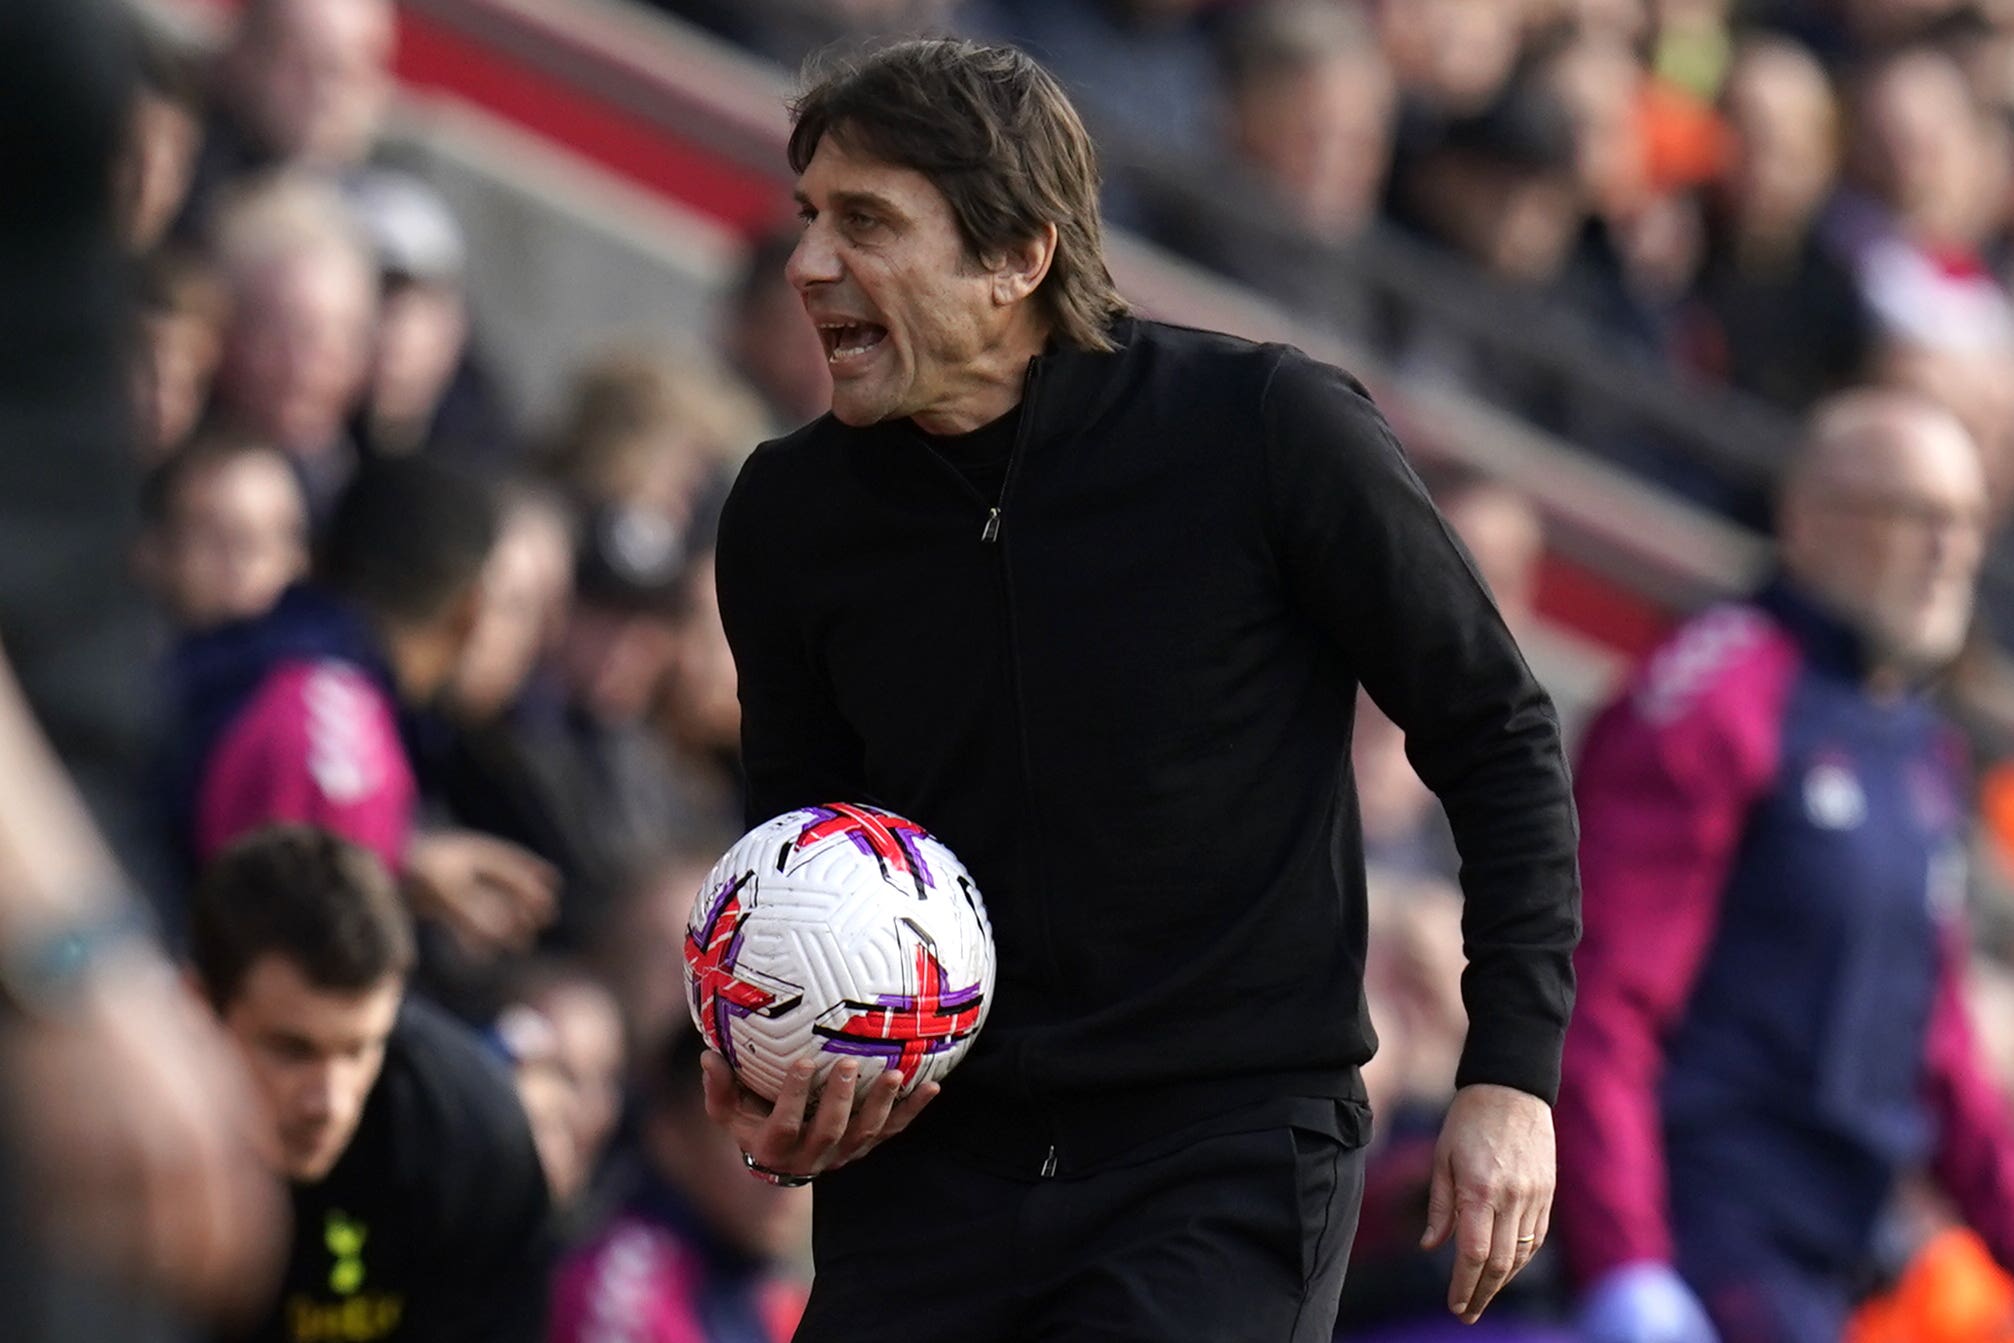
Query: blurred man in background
{"type": "Point", "coordinates": [1770, 1027]}
{"type": "Point", "coordinates": [694, 1254]}
{"type": "Point", "coordinates": [1787, 319]}
{"type": "Point", "coordinates": [426, 390]}
{"type": "Point", "coordinates": [295, 716]}
{"type": "Point", "coordinates": [304, 308]}
{"type": "Point", "coordinates": [419, 1202]}
{"type": "Point", "coordinates": [303, 83]}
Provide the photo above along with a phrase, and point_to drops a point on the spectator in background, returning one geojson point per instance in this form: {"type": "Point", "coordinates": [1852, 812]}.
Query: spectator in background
{"type": "Point", "coordinates": [1770, 1028]}
{"type": "Point", "coordinates": [1309, 108]}
{"type": "Point", "coordinates": [1641, 148]}
{"type": "Point", "coordinates": [1311, 105]}
{"type": "Point", "coordinates": [294, 717]}
{"type": "Point", "coordinates": [1923, 202]}
{"type": "Point", "coordinates": [1453, 57]}
{"type": "Point", "coordinates": [579, 1043]}
{"type": "Point", "coordinates": [608, 777]}
{"type": "Point", "coordinates": [225, 532]}
{"type": "Point", "coordinates": [304, 306]}
{"type": "Point", "coordinates": [164, 131]}
{"type": "Point", "coordinates": [647, 933]}
{"type": "Point", "coordinates": [1141, 72]}
{"type": "Point", "coordinates": [302, 83]}
{"type": "Point", "coordinates": [647, 439]}
{"type": "Point", "coordinates": [527, 587]}
{"type": "Point", "coordinates": [1785, 318]}
{"type": "Point", "coordinates": [420, 1207]}
{"type": "Point", "coordinates": [427, 390]}
{"type": "Point", "coordinates": [182, 315]}
{"type": "Point", "coordinates": [694, 1254]}
{"type": "Point", "coordinates": [769, 343]}
{"type": "Point", "coordinates": [1501, 187]}
{"type": "Point", "coordinates": [469, 746]}
{"type": "Point", "coordinates": [697, 713]}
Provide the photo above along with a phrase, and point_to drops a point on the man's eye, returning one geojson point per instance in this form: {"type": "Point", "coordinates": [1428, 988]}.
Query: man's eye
{"type": "Point", "coordinates": [805, 214]}
{"type": "Point", "coordinates": [859, 222]}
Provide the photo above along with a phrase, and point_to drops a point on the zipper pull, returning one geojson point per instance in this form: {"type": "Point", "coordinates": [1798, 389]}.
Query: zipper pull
{"type": "Point", "coordinates": [1049, 1161]}
{"type": "Point", "coordinates": [991, 532]}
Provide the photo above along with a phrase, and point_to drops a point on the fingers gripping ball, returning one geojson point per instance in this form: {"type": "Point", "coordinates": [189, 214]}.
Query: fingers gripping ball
{"type": "Point", "coordinates": [834, 932]}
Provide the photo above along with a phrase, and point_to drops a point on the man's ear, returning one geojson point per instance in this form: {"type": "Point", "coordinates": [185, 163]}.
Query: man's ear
{"type": "Point", "coordinates": [1018, 271]}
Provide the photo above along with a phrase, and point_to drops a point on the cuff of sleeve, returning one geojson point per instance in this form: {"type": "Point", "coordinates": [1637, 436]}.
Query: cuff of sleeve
{"type": "Point", "coordinates": [1525, 1058]}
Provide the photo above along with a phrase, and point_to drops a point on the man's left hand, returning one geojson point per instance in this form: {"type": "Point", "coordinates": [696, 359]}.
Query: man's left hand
{"type": "Point", "coordinates": [1492, 1190]}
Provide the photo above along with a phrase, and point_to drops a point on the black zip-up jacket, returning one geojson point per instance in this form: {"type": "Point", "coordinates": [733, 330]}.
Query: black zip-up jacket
{"type": "Point", "coordinates": [1125, 700]}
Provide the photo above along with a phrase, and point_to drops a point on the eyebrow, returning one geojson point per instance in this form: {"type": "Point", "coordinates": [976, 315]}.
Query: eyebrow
{"type": "Point", "coordinates": [867, 200]}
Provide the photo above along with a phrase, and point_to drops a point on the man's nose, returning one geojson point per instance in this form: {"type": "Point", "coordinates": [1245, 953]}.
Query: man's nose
{"type": "Point", "coordinates": [813, 261]}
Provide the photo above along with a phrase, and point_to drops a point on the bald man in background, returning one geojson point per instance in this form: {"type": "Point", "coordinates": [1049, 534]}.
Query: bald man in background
{"type": "Point", "coordinates": [1770, 1028]}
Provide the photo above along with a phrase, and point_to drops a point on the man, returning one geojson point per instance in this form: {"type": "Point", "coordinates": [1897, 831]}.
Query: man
{"type": "Point", "coordinates": [1091, 597]}
{"type": "Point", "coordinates": [302, 82]}
{"type": "Point", "coordinates": [294, 716]}
{"type": "Point", "coordinates": [419, 1202]}
{"type": "Point", "coordinates": [303, 312]}
{"type": "Point", "coordinates": [1770, 1027]}
{"type": "Point", "coordinates": [695, 1253]}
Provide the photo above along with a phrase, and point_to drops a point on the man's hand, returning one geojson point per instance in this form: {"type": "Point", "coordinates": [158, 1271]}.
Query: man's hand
{"type": "Point", "coordinates": [844, 1126]}
{"type": "Point", "coordinates": [491, 894]}
{"type": "Point", "coordinates": [1492, 1190]}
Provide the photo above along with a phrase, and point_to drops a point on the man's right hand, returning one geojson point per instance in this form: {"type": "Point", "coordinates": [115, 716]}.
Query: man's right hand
{"type": "Point", "coordinates": [782, 1138]}
{"type": "Point", "coordinates": [493, 895]}
{"type": "Point", "coordinates": [1644, 1303]}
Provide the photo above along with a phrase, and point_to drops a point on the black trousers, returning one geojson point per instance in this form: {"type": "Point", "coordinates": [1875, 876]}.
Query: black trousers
{"type": "Point", "coordinates": [1210, 1237]}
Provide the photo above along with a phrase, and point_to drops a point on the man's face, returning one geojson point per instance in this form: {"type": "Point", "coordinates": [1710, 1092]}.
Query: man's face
{"type": "Point", "coordinates": [905, 313]}
{"type": "Point", "coordinates": [1322, 136]}
{"type": "Point", "coordinates": [1891, 535]}
{"type": "Point", "coordinates": [1779, 105]}
{"type": "Point", "coordinates": [299, 346]}
{"type": "Point", "coordinates": [314, 1055]}
{"type": "Point", "coordinates": [316, 88]}
{"type": "Point", "coordinates": [236, 536]}
{"type": "Point", "coordinates": [1921, 137]}
{"type": "Point", "coordinates": [421, 333]}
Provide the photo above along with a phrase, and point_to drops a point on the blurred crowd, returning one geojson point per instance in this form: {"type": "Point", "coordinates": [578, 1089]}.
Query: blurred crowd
{"type": "Point", "coordinates": [490, 651]}
{"type": "Point", "coordinates": [485, 651]}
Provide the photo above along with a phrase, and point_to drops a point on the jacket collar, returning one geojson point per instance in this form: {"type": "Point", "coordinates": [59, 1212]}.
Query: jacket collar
{"type": "Point", "coordinates": [1067, 389]}
{"type": "Point", "coordinates": [1829, 643]}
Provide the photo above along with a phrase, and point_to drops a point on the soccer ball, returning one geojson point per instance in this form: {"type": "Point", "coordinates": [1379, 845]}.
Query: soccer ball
{"type": "Point", "coordinates": [839, 931]}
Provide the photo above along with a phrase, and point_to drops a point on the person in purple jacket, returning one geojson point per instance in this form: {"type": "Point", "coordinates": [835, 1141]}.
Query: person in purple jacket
{"type": "Point", "coordinates": [1770, 1026]}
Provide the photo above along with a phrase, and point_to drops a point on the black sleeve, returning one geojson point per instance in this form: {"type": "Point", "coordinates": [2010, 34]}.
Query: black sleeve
{"type": "Point", "coordinates": [1368, 556]}
{"type": "Point", "coordinates": [796, 750]}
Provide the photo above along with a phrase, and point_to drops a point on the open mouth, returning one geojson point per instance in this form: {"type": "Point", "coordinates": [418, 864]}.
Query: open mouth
{"type": "Point", "coordinates": [849, 340]}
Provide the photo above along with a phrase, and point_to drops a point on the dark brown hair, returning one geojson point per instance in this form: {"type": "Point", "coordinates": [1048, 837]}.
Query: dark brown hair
{"type": "Point", "coordinates": [996, 134]}
{"type": "Point", "coordinates": [294, 891]}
